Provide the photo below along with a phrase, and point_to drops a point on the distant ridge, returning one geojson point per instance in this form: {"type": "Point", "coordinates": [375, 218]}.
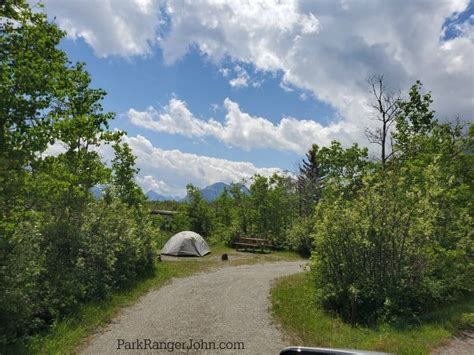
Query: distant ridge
{"type": "Point", "coordinates": [209, 193]}
{"type": "Point", "coordinates": [155, 196]}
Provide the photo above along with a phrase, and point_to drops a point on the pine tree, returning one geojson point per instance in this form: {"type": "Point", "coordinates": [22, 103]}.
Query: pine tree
{"type": "Point", "coordinates": [309, 181]}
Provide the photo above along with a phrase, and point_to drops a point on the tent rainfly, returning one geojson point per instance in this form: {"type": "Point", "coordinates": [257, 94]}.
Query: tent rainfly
{"type": "Point", "coordinates": [186, 243]}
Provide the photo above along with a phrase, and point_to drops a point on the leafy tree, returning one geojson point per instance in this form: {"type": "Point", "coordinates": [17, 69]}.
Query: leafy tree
{"type": "Point", "coordinates": [123, 166]}
{"type": "Point", "coordinates": [401, 244]}
{"type": "Point", "coordinates": [414, 121]}
{"type": "Point", "coordinates": [272, 205]}
{"type": "Point", "coordinates": [241, 208]}
{"type": "Point", "coordinates": [181, 221]}
{"type": "Point", "coordinates": [32, 73]}
{"type": "Point", "coordinates": [222, 214]}
{"type": "Point", "coordinates": [198, 212]}
{"type": "Point", "coordinates": [301, 234]}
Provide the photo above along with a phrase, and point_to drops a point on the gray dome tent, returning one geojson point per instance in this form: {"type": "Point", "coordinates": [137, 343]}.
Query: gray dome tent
{"type": "Point", "coordinates": [186, 243]}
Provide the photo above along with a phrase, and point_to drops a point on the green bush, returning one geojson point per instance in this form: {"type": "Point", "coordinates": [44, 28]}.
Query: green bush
{"type": "Point", "coordinates": [395, 250]}
{"type": "Point", "coordinates": [53, 266]}
{"type": "Point", "coordinates": [300, 236]}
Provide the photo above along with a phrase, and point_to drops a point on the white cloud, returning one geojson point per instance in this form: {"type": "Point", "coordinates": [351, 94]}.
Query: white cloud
{"type": "Point", "coordinates": [239, 81]}
{"type": "Point", "coordinates": [110, 27]}
{"type": "Point", "coordinates": [55, 149]}
{"type": "Point", "coordinates": [175, 119]}
{"type": "Point", "coordinates": [149, 183]}
{"type": "Point", "coordinates": [330, 47]}
{"type": "Point", "coordinates": [175, 169]}
{"type": "Point", "coordinates": [241, 77]}
{"type": "Point", "coordinates": [239, 29]}
{"type": "Point", "coordinates": [326, 47]}
{"type": "Point", "coordinates": [241, 129]}
{"type": "Point", "coordinates": [225, 72]}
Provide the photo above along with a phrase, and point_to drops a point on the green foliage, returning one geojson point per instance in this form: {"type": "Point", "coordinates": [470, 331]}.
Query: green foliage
{"type": "Point", "coordinates": [343, 168]}
{"type": "Point", "coordinates": [401, 244]}
{"type": "Point", "coordinates": [59, 247]}
{"type": "Point", "coordinates": [415, 119]}
{"type": "Point", "coordinates": [223, 220]}
{"type": "Point", "coordinates": [33, 79]}
{"type": "Point", "coordinates": [124, 169]}
{"type": "Point", "coordinates": [326, 167]}
{"type": "Point", "coordinates": [195, 214]}
{"type": "Point", "coordinates": [54, 266]}
{"type": "Point", "coordinates": [300, 235]}
{"type": "Point", "coordinates": [306, 322]}
{"type": "Point", "coordinates": [240, 215]}
{"type": "Point", "coordinates": [272, 206]}
{"type": "Point", "coordinates": [181, 221]}
{"type": "Point", "coordinates": [309, 182]}
{"type": "Point", "coordinates": [32, 74]}
{"type": "Point", "coordinates": [266, 212]}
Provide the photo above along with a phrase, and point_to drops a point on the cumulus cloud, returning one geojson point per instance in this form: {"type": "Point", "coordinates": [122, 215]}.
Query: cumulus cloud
{"type": "Point", "coordinates": [327, 47]}
{"type": "Point", "coordinates": [241, 129]}
{"type": "Point", "coordinates": [110, 27]}
{"type": "Point", "coordinates": [330, 47]}
{"type": "Point", "coordinates": [175, 119]}
{"type": "Point", "coordinates": [175, 168]}
{"type": "Point", "coordinates": [149, 183]}
{"type": "Point", "coordinates": [216, 26]}
{"type": "Point", "coordinates": [241, 79]}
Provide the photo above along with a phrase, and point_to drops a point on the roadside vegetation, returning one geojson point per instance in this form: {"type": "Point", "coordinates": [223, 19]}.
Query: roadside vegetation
{"type": "Point", "coordinates": [60, 247]}
{"type": "Point", "coordinates": [306, 323]}
{"type": "Point", "coordinates": [390, 237]}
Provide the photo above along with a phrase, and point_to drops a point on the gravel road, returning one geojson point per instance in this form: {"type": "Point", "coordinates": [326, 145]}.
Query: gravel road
{"type": "Point", "coordinates": [227, 305]}
{"type": "Point", "coordinates": [460, 345]}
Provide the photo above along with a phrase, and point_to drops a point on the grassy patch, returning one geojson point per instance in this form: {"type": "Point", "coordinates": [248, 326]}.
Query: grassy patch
{"type": "Point", "coordinates": [66, 335]}
{"type": "Point", "coordinates": [306, 324]}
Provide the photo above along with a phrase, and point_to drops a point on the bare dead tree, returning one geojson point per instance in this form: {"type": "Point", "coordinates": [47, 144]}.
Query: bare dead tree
{"type": "Point", "coordinates": [386, 108]}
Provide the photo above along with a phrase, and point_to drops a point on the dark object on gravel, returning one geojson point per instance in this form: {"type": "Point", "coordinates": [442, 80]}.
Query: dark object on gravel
{"type": "Point", "coordinates": [224, 257]}
{"type": "Point", "coordinates": [301, 350]}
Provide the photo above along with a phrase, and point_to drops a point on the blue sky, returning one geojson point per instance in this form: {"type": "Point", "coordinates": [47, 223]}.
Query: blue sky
{"type": "Point", "coordinates": [139, 82]}
{"type": "Point", "coordinates": [218, 91]}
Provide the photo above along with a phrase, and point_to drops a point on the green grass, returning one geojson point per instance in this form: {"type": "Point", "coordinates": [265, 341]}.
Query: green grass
{"type": "Point", "coordinates": [68, 335]}
{"type": "Point", "coordinates": [306, 324]}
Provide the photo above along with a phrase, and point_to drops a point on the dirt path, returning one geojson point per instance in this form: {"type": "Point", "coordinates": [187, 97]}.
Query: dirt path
{"type": "Point", "coordinates": [461, 345]}
{"type": "Point", "coordinates": [228, 305]}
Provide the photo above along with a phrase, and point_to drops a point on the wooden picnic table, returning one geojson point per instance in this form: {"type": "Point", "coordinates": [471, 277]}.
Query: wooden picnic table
{"type": "Point", "coordinates": [252, 243]}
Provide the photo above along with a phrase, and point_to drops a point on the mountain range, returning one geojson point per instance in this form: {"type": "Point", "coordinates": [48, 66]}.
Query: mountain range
{"type": "Point", "coordinates": [209, 193]}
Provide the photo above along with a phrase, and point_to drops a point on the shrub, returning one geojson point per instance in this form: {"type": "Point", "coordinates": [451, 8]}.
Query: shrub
{"type": "Point", "coordinates": [300, 236]}
{"type": "Point", "coordinates": [54, 265]}
{"type": "Point", "coordinates": [393, 251]}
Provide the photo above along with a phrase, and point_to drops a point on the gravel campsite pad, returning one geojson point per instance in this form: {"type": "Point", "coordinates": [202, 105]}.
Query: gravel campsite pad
{"type": "Point", "coordinates": [225, 308]}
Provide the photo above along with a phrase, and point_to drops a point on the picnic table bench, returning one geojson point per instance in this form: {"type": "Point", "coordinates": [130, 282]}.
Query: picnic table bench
{"type": "Point", "coordinates": [252, 243]}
